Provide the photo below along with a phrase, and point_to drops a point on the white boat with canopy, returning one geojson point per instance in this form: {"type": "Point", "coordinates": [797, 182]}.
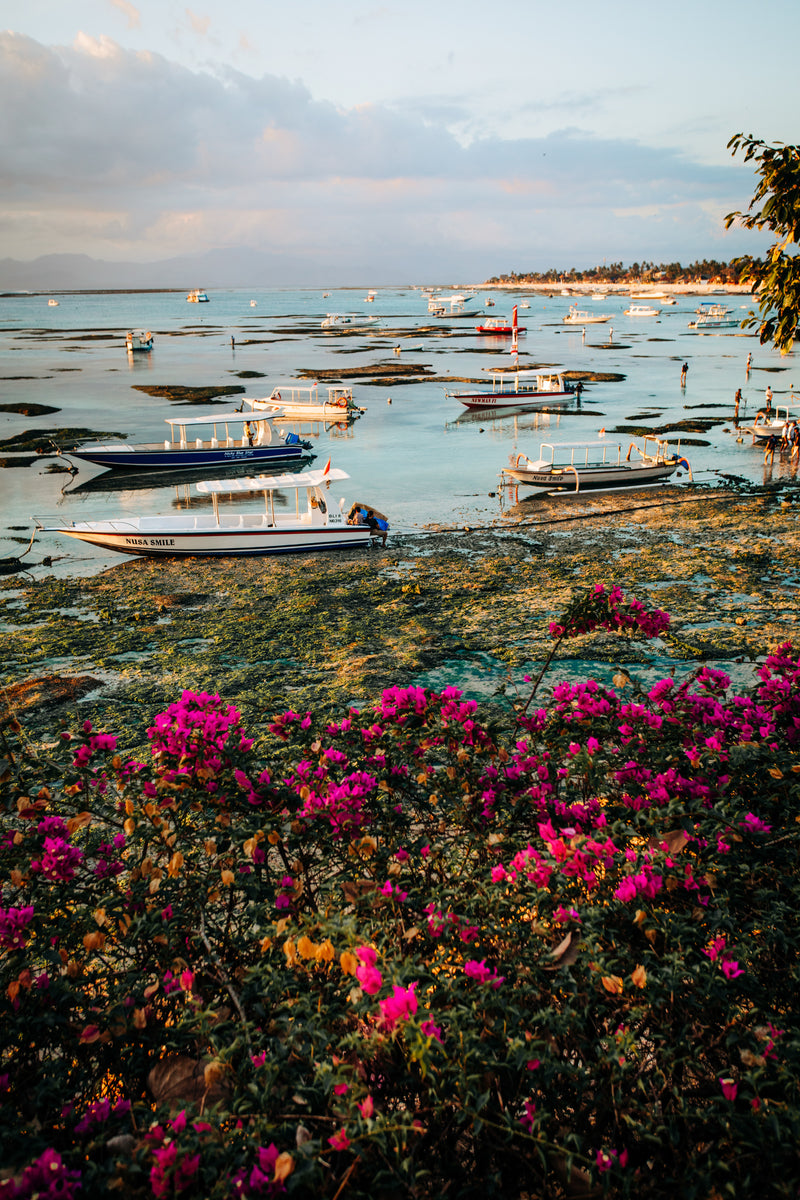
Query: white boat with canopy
{"type": "Point", "coordinates": [577, 466]}
{"type": "Point", "coordinates": [578, 316]}
{"type": "Point", "coordinates": [340, 320]}
{"type": "Point", "coordinates": [303, 400]}
{"type": "Point", "coordinates": [714, 316]}
{"type": "Point", "coordinates": [138, 339]}
{"type": "Point", "coordinates": [517, 389]}
{"type": "Point", "coordinates": [641, 310]}
{"type": "Point", "coordinates": [317, 523]}
{"type": "Point", "coordinates": [774, 422]}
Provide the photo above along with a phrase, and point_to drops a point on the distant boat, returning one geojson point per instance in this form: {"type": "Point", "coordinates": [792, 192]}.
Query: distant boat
{"type": "Point", "coordinates": [197, 297]}
{"type": "Point", "coordinates": [138, 339]}
{"type": "Point", "coordinates": [500, 327]}
{"type": "Point", "coordinates": [370, 296]}
{"type": "Point", "coordinates": [577, 316]}
{"type": "Point", "coordinates": [334, 320]}
{"type": "Point", "coordinates": [253, 303]}
{"type": "Point", "coordinates": [641, 310]}
{"type": "Point", "coordinates": [52, 303]}
{"type": "Point", "coordinates": [714, 316]}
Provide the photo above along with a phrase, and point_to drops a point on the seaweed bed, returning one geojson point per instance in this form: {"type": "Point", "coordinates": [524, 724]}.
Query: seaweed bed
{"type": "Point", "coordinates": [467, 606]}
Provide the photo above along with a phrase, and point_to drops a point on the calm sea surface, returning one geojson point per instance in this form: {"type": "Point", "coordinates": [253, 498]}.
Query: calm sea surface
{"type": "Point", "coordinates": [422, 458]}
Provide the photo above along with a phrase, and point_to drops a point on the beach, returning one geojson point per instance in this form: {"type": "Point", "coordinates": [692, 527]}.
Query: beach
{"type": "Point", "coordinates": [464, 609]}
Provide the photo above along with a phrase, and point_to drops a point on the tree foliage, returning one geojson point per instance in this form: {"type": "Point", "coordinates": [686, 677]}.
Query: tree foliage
{"type": "Point", "coordinates": [775, 207]}
{"type": "Point", "coordinates": [415, 953]}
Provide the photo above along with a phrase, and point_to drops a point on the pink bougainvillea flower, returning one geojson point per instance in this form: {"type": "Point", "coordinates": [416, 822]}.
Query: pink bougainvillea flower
{"type": "Point", "coordinates": [340, 1140]}
{"type": "Point", "coordinates": [430, 1030]}
{"type": "Point", "coordinates": [400, 1006]}
{"type": "Point", "coordinates": [368, 974]}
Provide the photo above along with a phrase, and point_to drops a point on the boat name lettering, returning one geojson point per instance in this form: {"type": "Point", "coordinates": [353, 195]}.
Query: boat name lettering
{"type": "Point", "coordinates": [149, 541]}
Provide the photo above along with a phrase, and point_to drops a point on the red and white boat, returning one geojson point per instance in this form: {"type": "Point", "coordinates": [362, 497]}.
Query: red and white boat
{"type": "Point", "coordinates": [500, 327]}
{"type": "Point", "coordinates": [517, 390]}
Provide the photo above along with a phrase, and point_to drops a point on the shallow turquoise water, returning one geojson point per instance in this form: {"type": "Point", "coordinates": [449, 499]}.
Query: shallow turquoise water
{"type": "Point", "coordinates": [421, 458]}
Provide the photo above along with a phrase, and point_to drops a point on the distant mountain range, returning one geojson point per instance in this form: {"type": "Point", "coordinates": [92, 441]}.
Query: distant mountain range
{"type": "Point", "coordinates": [241, 267]}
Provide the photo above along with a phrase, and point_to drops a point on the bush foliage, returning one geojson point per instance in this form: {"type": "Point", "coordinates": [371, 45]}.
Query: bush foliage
{"type": "Point", "coordinates": [414, 952]}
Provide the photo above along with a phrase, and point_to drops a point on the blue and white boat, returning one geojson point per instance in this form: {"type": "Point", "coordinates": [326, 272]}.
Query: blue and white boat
{"type": "Point", "coordinates": [218, 440]}
{"type": "Point", "coordinates": [320, 523]}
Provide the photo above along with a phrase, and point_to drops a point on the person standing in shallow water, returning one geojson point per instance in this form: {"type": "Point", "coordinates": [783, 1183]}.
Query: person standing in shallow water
{"type": "Point", "coordinates": [737, 400]}
{"type": "Point", "coordinates": [684, 370]}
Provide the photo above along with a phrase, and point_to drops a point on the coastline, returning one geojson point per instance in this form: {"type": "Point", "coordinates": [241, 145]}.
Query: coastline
{"type": "Point", "coordinates": [624, 289]}
{"type": "Point", "coordinates": [468, 608]}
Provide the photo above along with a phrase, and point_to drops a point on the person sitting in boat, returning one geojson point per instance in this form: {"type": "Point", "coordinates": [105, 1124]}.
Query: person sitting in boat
{"type": "Point", "coordinates": [357, 515]}
{"type": "Point", "coordinates": [249, 432]}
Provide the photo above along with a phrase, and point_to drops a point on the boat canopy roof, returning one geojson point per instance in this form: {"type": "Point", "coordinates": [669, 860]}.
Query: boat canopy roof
{"type": "Point", "coordinates": [217, 418]}
{"type": "Point", "coordinates": [512, 374]}
{"type": "Point", "coordinates": [580, 445]}
{"type": "Point", "coordinates": [273, 483]}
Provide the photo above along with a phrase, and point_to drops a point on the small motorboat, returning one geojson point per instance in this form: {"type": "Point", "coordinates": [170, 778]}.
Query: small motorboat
{"type": "Point", "coordinates": [319, 524]}
{"type": "Point", "coordinates": [197, 296]}
{"type": "Point", "coordinates": [214, 440]}
{"type": "Point", "coordinates": [339, 320]}
{"type": "Point", "coordinates": [303, 400]}
{"type": "Point", "coordinates": [499, 327]}
{"type": "Point", "coordinates": [578, 316]}
{"type": "Point", "coordinates": [52, 303]}
{"type": "Point", "coordinates": [518, 390]}
{"type": "Point", "coordinates": [713, 316]}
{"type": "Point", "coordinates": [138, 339]}
{"type": "Point", "coordinates": [641, 310]}
{"type": "Point", "coordinates": [578, 466]}
{"type": "Point", "coordinates": [773, 422]}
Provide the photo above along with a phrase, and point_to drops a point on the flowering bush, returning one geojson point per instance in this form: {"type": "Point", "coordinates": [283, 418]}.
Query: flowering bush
{"type": "Point", "coordinates": [415, 952]}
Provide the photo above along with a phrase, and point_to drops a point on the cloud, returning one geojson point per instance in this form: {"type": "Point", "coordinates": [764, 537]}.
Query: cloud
{"type": "Point", "coordinates": [121, 154]}
{"type": "Point", "coordinates": [128, 10]}
{"type": "Point", "coordinates": [200, 25]}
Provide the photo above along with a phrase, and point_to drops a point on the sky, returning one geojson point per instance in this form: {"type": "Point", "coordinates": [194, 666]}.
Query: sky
{"type": "Point", "coordinates": [380, 142]}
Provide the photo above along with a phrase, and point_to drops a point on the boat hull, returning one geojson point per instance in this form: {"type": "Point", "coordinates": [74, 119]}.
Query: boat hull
{"type": "Point", "coordinates": [211, 541]}
{"type": "Point", "coordinates": [155, 459]}
{"type": "Point", "coordinates": [319, 412]}
{"type": "Point", "coordinates": [583, 479]}
{"type": "Point", "coordinates": [516, 400]}
{"type": "Point", "coordinates": [499, 330]}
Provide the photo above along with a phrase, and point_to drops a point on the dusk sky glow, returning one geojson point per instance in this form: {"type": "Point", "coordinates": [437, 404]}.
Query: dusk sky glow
{"type": "Point", "coordinates": [382, 143]}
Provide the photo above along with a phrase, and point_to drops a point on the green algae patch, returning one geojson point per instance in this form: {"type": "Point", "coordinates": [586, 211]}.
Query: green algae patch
{"type": "Point", "coordinates": [322, 633]}
{"type": "Point", "coordinates": [51, 440]}
{"type": "Point", "coordinates": [189, 395]}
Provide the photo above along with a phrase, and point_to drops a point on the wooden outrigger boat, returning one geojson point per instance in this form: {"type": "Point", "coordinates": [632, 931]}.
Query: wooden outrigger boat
{"type": "Point", "coordinates": [578, 466]}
